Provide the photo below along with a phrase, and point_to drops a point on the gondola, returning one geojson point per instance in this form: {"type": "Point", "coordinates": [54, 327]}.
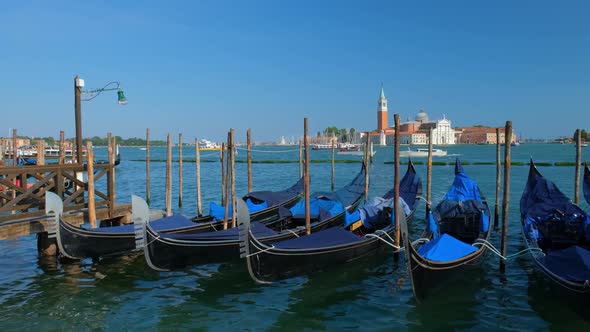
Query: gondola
{"type": "Point", "coordinates": [557, 233]}
{"type": "Point", "coordinates": [587, 183]}
{"type": "Point", "coordinates": [173, 251]}
{"type": "Point", "coordinates": [453, 237]}
{"type": "Point", "coordinates": [366, 231]}
{"type": "Point", "coordinates": [76, 242]}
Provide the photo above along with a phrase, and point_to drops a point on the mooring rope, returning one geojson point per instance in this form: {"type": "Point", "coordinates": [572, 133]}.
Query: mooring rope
{"type": "Point", "coordinates": [260, 251]}
{"type": "Point", "coordinates": [290, 231]}
{"type": "Point", "coordinates": [485, 243]}
{"type": "Point", "coordinates": [425, 200]}
{"type": "Point", "coordinates": [391, 244]}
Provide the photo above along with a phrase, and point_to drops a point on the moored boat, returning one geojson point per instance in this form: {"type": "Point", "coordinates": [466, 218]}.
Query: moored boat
{"type": "Point", "coordinates": [365, 232]}
{"type": "Point", "coordinates": [587, 183]}
{"type": "Point", "coordinates": [77, 242]}
{"type": "Point", "coordinates": [172, 251]}
{"type": "Point", "coordinates": [455, 236]}
{"type": "Point", "coordinates": [422, 152]}
{"type": "Point", "coordinates": [205, 145]}
{"type": "Point", "coordinates": [557, 234]}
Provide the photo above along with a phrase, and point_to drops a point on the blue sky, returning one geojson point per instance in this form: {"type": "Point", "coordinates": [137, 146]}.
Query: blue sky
{"type": "Point", "coordinates": [201, 67]}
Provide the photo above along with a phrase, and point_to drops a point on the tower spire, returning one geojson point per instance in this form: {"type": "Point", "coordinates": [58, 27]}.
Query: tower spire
{"type": "Point", "coordinates": [382, 95]}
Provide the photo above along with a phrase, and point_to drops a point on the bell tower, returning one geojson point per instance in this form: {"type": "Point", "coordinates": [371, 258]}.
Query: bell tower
{"type": "Point", "coordinates": [382, 111]}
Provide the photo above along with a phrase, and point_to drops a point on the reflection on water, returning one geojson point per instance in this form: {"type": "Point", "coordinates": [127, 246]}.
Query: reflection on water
{"type": "Point", "coordinates": [121, 293]}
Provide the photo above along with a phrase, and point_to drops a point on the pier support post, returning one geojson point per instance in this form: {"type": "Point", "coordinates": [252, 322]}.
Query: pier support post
{"type": "Point", "coordinates": [578, 164]}
{"type": "Point", "coordinates": [90, 178]}
{"type": "Point", "coordinates": [198, 172]}
{"type": "Point", "coordinates": [78, 109]}
{"type": "Point", "coordinates": [498, 176]}
{"type": "Point", "coordinates": [306, 180]}
{"type": "Point", "coordinates": [45, 245]}
{"type": "Point", "coordinates": [40, 153]}
{"type": "Point", "coordinates": [169, 176]}
{"type": "Point", "coordinates": [62, 148]}
{"type": "Point", "coordinates": [249, 156]}
{"type": "Point", "coordinates": [147, 166]}
{"type": "Point", "coordinates": [179, 169]}
{"type": "Point", "coordinates": [14, 148]}
{"type": "Point", "coordinates": [506, 196]}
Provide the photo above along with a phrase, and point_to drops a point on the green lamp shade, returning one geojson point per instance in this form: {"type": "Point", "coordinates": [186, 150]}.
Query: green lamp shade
{"type": "Point", "coordinates": [121, 98]}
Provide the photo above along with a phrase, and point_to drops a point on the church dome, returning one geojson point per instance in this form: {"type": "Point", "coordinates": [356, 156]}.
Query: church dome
{"type": "Point", "coordinates": [421, 117]}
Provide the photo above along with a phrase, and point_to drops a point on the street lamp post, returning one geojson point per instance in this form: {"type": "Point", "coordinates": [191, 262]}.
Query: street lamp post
{"type": "Point", "coordinates": [78, 85]}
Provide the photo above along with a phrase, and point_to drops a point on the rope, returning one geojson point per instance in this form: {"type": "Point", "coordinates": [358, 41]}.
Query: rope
{"type": "Point", "coordinates": [425, 200]}
{"type": "Point", "coordinates": [266, 151]}
{"type": "Point", "coordinates": [493, 249]}
{"type": "Point", "coordinates": [290, 231]}
{"type": "Point", "coordinates": [420, 240]}
{"type": "Point", "coordinates": [391, 244]}
{"type": "Point", "coordinates": [152, 241]}
{"type": "Point", "coordinates": [260, 251]}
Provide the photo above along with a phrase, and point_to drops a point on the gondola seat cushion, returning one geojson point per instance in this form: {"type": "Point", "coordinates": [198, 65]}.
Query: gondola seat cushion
{"type": "Point", "coordinates": [445, 248]}
{"type": "Point", "coordinates": [330, 237]}
{"type": "Point", "coordinates": [572, 263]}
{"type": "Point", "coordinates": [176, 220]}
{"type": "Point", "coordinates": [318, 207]}
{"type": "Point", "coordinates": [218, 211]}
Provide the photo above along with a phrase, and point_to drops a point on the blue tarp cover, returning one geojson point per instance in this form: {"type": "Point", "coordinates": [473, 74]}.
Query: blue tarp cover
{"type": "Point", "coordinates": [445, 248]}
{"type": "Point", "coordinates": [348, 194]}
{"type": "Point", "coordinates": [218, 211]}
{"type": "Point", "coordinates": [257, 228]}
{"type": "Point", "coordinates": [410, 186]}
{"type": "Point", "coordinates": [572, 264]}
{"type": "Point", "coordinates": [175, 221]}
{"type": "Point", "coordinates": [463, 189]}
{"type": "Point", "coordinates": [317, 207]}
{"type": "Point", "coordinates": [273, 198]}
{"type": "Point", "coordinates": [372, 212]}
{"type": "Point", "coordinates": [326, 238]}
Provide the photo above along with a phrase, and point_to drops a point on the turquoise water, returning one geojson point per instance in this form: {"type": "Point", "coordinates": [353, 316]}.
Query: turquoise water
{"type": "Point", "coordinates": [123, 293]}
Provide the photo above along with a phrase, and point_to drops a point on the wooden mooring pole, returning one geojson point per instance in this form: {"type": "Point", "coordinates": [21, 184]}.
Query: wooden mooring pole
{"type": "Point", "coordinates": [179, 169]}
{"type": "Point", "coordinates": [498, 177]}
{"type": "Point", "coordinates": [62, 148]}
{"type": "Point", "coordinates": [112, 192]}
{"type": "Point", "coordinates": [366, 161]}
{"type": "Point", "coordinates": [578, 163]}
{"type": "Point", "coordinates": [333, 168]}
{"type": "Point", "coordinates": [227, 185]}
{"type": "Point", "coordinates": [169, 176]}
{"type": "Point", "coordinates": [90, 176]}
{"type": "Point", "coordinates": [300, 160]}
{"type": "Point", "coordinates": [506, 196]}
{"type": "Point", "coordinates": [233, 178]}
{"type": "Point", "coordinates": [198, 172]}
{"type": "Point", "coordinates": [396, 180]}
{"type": "Point", "coordinates": [222, 153]}
{"type": "Point", "coordinates": [429, 175]}
{"type": "Point", "coordinates": [249, 156]}
{"type": "Point", "coordinates": [147, 166]}
{"type": "Point", "coordinates": [306, 180]}
{"type": "Point", "coordinates": [40, 152]}
{"type": "Point", "coordinates": [14, 149]}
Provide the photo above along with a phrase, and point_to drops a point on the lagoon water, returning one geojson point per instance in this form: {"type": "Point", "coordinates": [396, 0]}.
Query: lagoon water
{"type": "Point", "coordinates": [123, 293]}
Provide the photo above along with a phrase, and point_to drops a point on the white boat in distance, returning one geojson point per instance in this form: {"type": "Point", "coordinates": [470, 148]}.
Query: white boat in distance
{"type": "Point", "coordinates": [423, 152]}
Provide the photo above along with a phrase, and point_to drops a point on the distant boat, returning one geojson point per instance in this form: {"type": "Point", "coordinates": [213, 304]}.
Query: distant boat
{"type": "Point", "coordinates": [205, 145]}
{"type": "Point", "coordinates": [143, 149]}
{"type": "Point", "coordinates": [515, 144]}
{"type": "Point", "coordinates": [423, 152]}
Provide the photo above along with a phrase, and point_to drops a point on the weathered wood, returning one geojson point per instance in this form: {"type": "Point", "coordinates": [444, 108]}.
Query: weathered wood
{"type": "Point", "coordinates": [306, 178]}
{"type": "Point", "coordinates": [62, 148]}
{"type": "Point", "coordinates": [78, 114]}
{"type": "Point", "coordinates": [198, 172]}
{"type": "Point", "coordinates": [300, 159]}
{"type": "Point", "coordinates": [179, 169]}
{"type": "Point", "coordinates": [37, 222]}
{"type": "Point", "coordinates": [222, 153]}
{"type": "Point", "coordinates": [227, 184]}
{"type": "Point", "coordinates": [578, 164]}
{"type": "Point", "coordinates": [14, 148]}
{"type": "Point", "coordinates": [333, 168]}
{"type": "Point", "coordinates": [111, 189]}
{"type": "Point", "coordinates": [233, 178]}
{"type": "Point", "coordinates": [91, 203]}
{"type": "Point", "coordinates": [40, 153]}
{"type": "Point", "coordinates": [429, 175]}
{"type": "Point", "coordinates": [249, 156]}
{"type": "Point", "coordinates": [366, 162]}
{"type": "Point", "coordinates": [506, 196]}
{"type": "Point", "coordinates": [147, 166]}
{"type": "Point", "coordinates": [396, 179]}
{"type": "Point", "coordinates": [498, 179]}
{"type": "Point", "coordinates": [169, 177]}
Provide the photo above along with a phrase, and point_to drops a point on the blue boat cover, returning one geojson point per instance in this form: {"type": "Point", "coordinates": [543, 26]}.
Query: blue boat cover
{"type": "Point", "coordinates": [329, 237]}
{"type": "Point", "coordinates": [176, 220]}
{"type": "Point", "coordinates": [273, 198]}
{"type": "Point", "coordinates": [587, 184]}
{"type": "Point", "coordinates": [218, 211]}
{"type": "Point", "coordinates": [372, 212]}
{"type": "Point", "coordinates": [349, 193]}
{"type": "Point", "coordinates": [318, 208]}
{"type": "Point", "coordinates": [257, 228]}
{"type": "Point", "coordinates": [445, 248]}
{"type": "Point", "coordinates": [571, 264]}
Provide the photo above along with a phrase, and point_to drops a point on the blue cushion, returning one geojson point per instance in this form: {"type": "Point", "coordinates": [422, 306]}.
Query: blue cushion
{"type": "Point", "coordinates": [445, 248]}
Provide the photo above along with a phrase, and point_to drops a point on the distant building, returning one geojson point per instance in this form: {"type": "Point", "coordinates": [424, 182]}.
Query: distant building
{"type": "Point", "coordinates": [481, 135]}
{"type": "Point", "coordinates": [381, 111]}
